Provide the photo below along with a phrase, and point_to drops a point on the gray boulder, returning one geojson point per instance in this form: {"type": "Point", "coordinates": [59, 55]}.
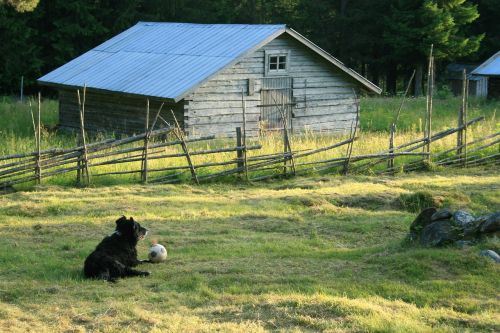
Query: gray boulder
{"type": "Point", "coordinates": [491, 223]}
{"type": "Point", "coordinates": [442, 214]}
{"type": "Point", "coordinates": [463, 219]}
{"type": "Point", "coordinates": [421, 221]}
{"type": "Point", "coordinates": [439, 233]}
{"type": "Point", "coordinates": [490, 254]}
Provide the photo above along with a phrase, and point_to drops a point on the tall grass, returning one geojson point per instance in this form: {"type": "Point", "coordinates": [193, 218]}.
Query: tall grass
{"type": "Point", "coordinates": [377, 114]}
{"type": "Point", "coordinates": [16, 135]}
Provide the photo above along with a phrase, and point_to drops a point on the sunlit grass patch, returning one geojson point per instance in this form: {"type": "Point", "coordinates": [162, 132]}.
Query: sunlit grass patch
{"type": "Point", "coordinates": [307, 254]}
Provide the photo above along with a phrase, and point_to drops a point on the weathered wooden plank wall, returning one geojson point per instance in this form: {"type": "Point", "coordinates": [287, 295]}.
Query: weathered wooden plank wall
{"type": "Point", "coordinates": [324, 103]}
{"type": "Point", "coordinates": [112, 112]}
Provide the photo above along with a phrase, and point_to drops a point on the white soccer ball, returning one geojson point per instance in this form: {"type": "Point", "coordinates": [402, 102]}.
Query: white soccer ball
{"type": "Point", "coordinates": [157, 253]}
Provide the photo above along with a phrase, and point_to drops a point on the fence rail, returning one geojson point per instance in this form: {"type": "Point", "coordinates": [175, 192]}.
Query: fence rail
{"type": "Point", "coordinates": [87, 159]}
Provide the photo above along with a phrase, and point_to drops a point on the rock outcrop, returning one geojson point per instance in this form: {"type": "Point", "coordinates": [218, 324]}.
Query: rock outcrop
{"type": "Point", "coordinates": [434, 227]}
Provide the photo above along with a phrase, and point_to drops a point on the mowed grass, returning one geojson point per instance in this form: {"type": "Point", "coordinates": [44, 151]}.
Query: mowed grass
{"type": "Point", "coordinates": [316, 254]}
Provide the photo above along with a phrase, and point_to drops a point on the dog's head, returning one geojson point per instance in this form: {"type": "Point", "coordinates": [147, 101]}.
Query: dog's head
{"type": "Point", "coordinates": [130, 229]}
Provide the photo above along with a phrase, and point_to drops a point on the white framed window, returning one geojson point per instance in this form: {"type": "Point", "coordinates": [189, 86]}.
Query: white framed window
{"type": "Point", "coordinates": [277, 62]}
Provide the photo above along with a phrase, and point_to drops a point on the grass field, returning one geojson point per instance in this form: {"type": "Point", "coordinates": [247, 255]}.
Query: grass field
{"type": "Point", "coordinates": [317, 254]}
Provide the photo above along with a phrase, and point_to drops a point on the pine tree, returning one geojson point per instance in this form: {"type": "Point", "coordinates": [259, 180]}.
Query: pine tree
{"type": "Point", "coordinates": [411, 26]}
{"type": "Point", "coordinates": [21, 5]}
{"type": "Point", "coordinates": [19, 53]}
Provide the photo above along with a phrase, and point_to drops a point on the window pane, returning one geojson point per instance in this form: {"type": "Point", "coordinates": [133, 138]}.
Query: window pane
{"type": "Point", "coordinates": [282, 65]}
{"type": "Point", "coordinates": [273, 66]}
{"type": "Point", "coordinates": [273, 60]}
{"type": "Point", "coordinates": [282, 59]}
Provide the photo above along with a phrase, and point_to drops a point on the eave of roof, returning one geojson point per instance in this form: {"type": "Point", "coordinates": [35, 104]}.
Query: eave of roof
{"type": "Point", "coordinates": [361, 79]}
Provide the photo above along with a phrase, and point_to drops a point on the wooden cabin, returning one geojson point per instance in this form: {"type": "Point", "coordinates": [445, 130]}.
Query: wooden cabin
{"type": "Point", "coordinates": [490, 69]}
{"type": "Point", "coordinates": [478, 85]}
{"type": "Point", "coordinates": [205, 73]}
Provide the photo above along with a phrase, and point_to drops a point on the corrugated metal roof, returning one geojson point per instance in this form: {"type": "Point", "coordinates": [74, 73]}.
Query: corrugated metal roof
{"type": "Point", "coordinates": [161, 59]}
{"type": "Point", "coordinates": [490, 67]}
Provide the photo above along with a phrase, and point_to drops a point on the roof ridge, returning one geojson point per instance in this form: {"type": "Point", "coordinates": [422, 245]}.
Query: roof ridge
{"type": "Point", "coordinates": [214, 24]}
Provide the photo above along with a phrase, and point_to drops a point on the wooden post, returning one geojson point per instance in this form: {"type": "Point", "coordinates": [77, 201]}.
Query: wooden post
{"type": "Point", "coordinates": [239, 153]}
{"type": "Point", "coordinates": [33, 122]}
{"type": "Point", "coordinates": [353, 135]}
{"type": "Point", "coordinates": [38, 168]}
{"type": "Point", "coordinates": [180, 137]}
{"type": "Point", "coordinates": [390, 161]}
{"type": "Point", "coordinates": [79, 161]}
{"type": "Point", "coordinates": [396, 118]}
{"type": "Point", "coordinates": [287, 134]}
{"type": "Point", "coordinates": [244, 141]}
{"type": "Point", "coordinates": [287, 148]}
{"type": "Point", "coordinates": [146, 146]}
{"type": "Point", "coordinates": [84, 157]}
{"type": "Point", "coordinates": [430, 89]}
{"type": "Point", "coordinates": [465, 120]}
{"type": "Point", "coordinates": [460, 134]}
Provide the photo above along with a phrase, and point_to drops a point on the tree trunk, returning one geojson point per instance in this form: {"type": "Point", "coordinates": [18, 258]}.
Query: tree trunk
{"type": "Point", "coordinates": [342, 31]}
{"type": "Point", "coordinates": [363, 70]}
{"type": "Point", "coordinates": [391, 79]}
{"type": "Point", "coordinates": [418, 80]}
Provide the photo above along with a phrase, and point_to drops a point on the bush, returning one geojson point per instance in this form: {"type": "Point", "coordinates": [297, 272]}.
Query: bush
{"type": "Point", "coordinates": [443, 92]}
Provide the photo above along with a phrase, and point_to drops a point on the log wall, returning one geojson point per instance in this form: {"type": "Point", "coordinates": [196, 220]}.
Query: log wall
{"type": "Point", "coordinates": [323, 96]}
{"type": "Point", "coordinates": [108, 112]}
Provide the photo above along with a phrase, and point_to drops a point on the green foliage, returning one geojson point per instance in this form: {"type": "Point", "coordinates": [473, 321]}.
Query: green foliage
{"type": "Point", "coordinates": [398, 39]}
{"type": "Point", "coordinates": [443, 92]}
{"type": "Point", "coordinates": [416, 202]}
{"type": "Point", "coordinates": [19, 50]}
{"type": "Point", "coordinates": [488, 24]}
{"type": "Point", "coordinates": [21, 5]}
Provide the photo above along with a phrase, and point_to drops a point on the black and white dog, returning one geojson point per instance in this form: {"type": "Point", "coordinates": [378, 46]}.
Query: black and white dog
{"type": "Point", "coordinates": [115, 256]}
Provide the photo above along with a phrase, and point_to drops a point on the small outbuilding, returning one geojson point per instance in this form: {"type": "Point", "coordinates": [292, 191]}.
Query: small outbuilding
{"type": "Point", "coordinates": [491, 70]}
{"type": "Point", "coordinates": [478, 85]}
{"type": "Point", "coordinates": [201, 72]}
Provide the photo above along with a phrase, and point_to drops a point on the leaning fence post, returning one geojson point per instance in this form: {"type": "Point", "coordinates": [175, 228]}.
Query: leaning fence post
{"type": "Point", "coordinates": [461, 138]}
{"type": "Point", "coordinates": [146, 146]}
{"type": "Point", "coordinates": [180, 137]}
{"type": "Point", "coordinates": [390, 162]}
{"type": "Point", "coordinates": [353, 135]}
{"type": "Point", "coordinates": [287, 148]}
{"type": "Point", "coordinates": [244, 139]}
{"type": "Point", "coordinates": [84, 156]}
{"type": "Point", "coordinates": [38, 168]}
{"type": "Point", "coordinates": [239, 152]}
{"type": "Point", "coordinates": [430, 89]}
{"type": "Point", "coordinates": [286, 138]}
{"type": "Point", "coordinates": [465, 121]}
